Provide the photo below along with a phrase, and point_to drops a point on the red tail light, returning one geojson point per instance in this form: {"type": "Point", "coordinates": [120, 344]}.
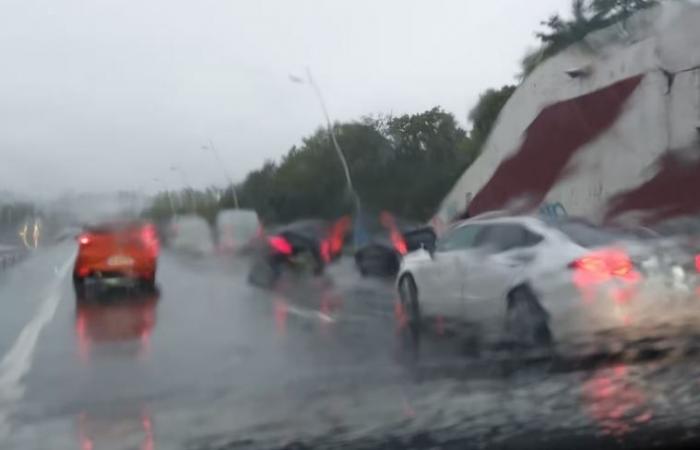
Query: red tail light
{"type": "Point", "coordinates": [697, 263]}
{"type": "Point", "coordinates": [84, 239]}
{"type": "Point", "coordinates": [397, 239]}
{"type": "Point", "coordinates": [399, 242]}
{"type": "Point", "coordinates": [603, 265]}
{"type": "Point", "coordinates": [326, 251]}
{"type": "Point", "coordinates": [149, 236]}
{"type": "Point", "coordinates": [280, 245]}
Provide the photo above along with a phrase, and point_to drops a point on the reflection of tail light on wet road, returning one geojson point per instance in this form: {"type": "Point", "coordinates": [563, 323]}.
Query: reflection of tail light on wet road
{"type": "Point", "coordinates": [280, 312]}
{"type": "Point", "coordinates": [617, 405]}
{"type": "Point", "coordinates": [127, 317]}
{"type": "Point", "coordinates": [120, 430]}
{"type": "Point", "coordinates": [322, 313]}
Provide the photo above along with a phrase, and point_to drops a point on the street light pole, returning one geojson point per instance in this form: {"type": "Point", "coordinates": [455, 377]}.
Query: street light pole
{"type": "Point", "coordinates": [329, 124]}
{"type": "Point", "coordinates": [223, 167]}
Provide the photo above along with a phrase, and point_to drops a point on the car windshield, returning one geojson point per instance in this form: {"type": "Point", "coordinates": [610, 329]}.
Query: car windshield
{"type": "Point", "coordinates": [349, 224]}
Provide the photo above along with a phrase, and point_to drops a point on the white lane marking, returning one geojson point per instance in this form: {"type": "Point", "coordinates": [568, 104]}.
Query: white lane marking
{"type": "Point", "coordinates": [309, 314]}
{"type": "Point", "coordinates": [18, 360]}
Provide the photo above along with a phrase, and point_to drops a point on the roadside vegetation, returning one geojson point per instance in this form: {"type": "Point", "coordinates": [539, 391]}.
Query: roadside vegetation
{"type": "Point", "coordinates": [405, 163]}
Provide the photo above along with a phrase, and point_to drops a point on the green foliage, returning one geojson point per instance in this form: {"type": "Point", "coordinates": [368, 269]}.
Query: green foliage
{"type": "Point", "coordinates": [483, 116]}
{"type": "Point", "coordinates": [405, 164]}
{"type": "Point", "coordinates": [586, 16]}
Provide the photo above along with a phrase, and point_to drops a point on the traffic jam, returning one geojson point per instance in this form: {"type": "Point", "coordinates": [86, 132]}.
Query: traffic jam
{"type": "Point", "coordinates": [520, 281]}
{"type": "Point", "coordinates": [391, 225]}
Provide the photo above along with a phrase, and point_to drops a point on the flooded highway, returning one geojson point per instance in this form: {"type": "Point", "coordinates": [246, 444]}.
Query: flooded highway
{"type": "Point", "coordinates": [206, 361]}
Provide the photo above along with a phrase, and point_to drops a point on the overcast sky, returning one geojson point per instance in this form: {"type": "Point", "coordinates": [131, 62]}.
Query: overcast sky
{"type": "Point", "coordinates": [108, 94]}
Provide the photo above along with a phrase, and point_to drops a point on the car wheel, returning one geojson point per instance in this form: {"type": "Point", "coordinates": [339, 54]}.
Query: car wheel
{"type": "Point", "coordinates": [264, 274]}
{"type": "Point", "coordinates": [80, 289]}
{"type": "Point", "coordinates": [411, 322]}
{"type": "Point", "coordinates": [360, 264]}
{"type": "Point", "coordinates": [527, 322]}
{"type": "Point", "coordinates": [148, 282]}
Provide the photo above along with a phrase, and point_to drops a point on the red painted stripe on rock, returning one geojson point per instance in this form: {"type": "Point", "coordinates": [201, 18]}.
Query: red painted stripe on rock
{"type": "Point", "coordinates": [552, 139]}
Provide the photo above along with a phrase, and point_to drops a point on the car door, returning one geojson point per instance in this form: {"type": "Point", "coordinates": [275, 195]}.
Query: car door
{"type": "Point", "coordinates": [503, 251]}
{"type": "Point", "coordinates": [441, 281]}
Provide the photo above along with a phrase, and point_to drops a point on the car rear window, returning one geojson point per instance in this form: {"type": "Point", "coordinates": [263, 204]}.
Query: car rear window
{"type": "Point", "coordinates": [586, 235]}
{"type": "Point", "coordinates": [118, 227]}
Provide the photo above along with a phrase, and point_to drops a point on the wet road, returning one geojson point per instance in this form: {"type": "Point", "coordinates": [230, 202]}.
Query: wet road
{"type": "Point", "coordinates": [208, 362]}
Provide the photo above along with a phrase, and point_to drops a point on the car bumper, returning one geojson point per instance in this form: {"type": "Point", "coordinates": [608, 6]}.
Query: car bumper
{"type": "Point", "coordinates": [101, 269]}
{"type": "Point", "coordinates": [614, 308]}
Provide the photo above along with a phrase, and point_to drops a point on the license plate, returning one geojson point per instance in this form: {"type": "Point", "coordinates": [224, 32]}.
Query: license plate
{"type": "Point", "coordinates": [120, 260]}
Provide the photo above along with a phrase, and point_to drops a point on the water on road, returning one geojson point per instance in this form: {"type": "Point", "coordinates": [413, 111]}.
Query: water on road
{"type": "Point", "coordinates": [208, 362]}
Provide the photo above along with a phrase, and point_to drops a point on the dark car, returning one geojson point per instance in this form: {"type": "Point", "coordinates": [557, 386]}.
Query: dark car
{"type": "Point", "coordinates": [303, 247]}
{"type": "Point", "coordinates": [390, 239]}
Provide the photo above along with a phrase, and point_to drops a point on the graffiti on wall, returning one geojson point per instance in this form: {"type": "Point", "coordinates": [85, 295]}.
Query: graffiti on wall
{"type": "Point", "coordinates": [554, 210]}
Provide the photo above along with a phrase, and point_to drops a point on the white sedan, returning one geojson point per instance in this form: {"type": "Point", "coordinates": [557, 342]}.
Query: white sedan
{"type": "Point", "coordinates": [521, 279]}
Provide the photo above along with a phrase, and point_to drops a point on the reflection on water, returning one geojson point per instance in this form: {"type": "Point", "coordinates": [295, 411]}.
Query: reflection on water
{"type": "Point", "coordinates": [118, 321]}
{"type": "Point", "coordinates": [131, 428]}
{"type": "Point", "coordinates": [615, 401]}
{"type": "Point", "coordinates": [322, 306]}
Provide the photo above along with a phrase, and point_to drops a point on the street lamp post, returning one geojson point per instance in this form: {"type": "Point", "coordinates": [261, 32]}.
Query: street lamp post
{"type": "Point", "coordinates": [223, 167]}
{"type": "Point", "coordinates": [329, 123]}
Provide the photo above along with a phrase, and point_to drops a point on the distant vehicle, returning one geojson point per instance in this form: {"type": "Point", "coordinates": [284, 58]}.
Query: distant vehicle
{"type": "Point", "coordinates": [191, 234]}
{"type": "Point", "coordinates": [381, 254]}
{"type": "Point", "coordinates": [238, 230]}
{"type": "Point", "coordinates": [117, 253]}
{"type": "Point", "coordinates": [303, 247]}
{"type": "Point", "coordinates": [543, 281]}
{"type": "Point", "coordinates": [67, 233]}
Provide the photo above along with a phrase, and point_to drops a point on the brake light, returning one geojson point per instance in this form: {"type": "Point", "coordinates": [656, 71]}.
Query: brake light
{"type": "Point", "coordinates": [326, 251]}
{"type": "Point", "coordinates": [399, 242]}
{"type": "Point", "coordinates": [697, 263]}
{"type": "Point", "coordinates": [280, 245]}
{"type": "Point", "coordinates": [395, 235]}
{"type": "Point", "coordinates": [84, 239]}
{"type": "Point", "coordinates": [603, 265]}
{"type": "Point", "coordinates": [150, 237]}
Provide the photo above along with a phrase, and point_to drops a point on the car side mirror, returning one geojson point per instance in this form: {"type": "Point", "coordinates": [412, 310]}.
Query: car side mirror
{"type": "Point", "coordinates": [424, 238]}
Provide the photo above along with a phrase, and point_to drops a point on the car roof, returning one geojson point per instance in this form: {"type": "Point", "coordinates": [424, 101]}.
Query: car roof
{"type": "Point", "coordinates": [529, 221]}
{"type": "Point", "coordinates": [115, 225]}
{"type": "Point", "coordinates": [236, 213]}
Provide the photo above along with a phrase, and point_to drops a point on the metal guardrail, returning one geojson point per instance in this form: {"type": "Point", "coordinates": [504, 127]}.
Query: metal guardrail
{"type": "Point", "coordinates": [10, 256]}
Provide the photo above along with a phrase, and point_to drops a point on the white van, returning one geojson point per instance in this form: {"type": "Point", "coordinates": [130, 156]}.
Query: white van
{"type": "Point", "coordinates": [237, 230]}
{"type": "Point", "coordinates": [191, 234]}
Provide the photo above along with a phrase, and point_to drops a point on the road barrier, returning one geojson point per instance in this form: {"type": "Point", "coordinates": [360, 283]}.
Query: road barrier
{"type": "Point", "coordinates": [9, 256]}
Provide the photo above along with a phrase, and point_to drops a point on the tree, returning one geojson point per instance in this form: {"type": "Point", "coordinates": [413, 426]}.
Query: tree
{"type": "Point", "coordinates": [405, 164]}
{"type": "Point", "coordinates": [586, 16]}
{"type": "Point", "coordinates": [484, 115]}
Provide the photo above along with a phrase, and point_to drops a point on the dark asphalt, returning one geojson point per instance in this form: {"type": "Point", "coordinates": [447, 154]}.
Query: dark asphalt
{"type": "Point", "coordinates": [209, 362]}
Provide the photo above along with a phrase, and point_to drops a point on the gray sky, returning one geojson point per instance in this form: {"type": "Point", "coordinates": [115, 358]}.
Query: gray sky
{"type": "Point", "coordinates": [106, 94]}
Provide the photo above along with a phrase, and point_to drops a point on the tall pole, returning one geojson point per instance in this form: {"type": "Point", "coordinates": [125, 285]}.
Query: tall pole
{"type": "Point", "coordinates": [331, 132]}
{"type": "Point", "coordinates": [226, 172]}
